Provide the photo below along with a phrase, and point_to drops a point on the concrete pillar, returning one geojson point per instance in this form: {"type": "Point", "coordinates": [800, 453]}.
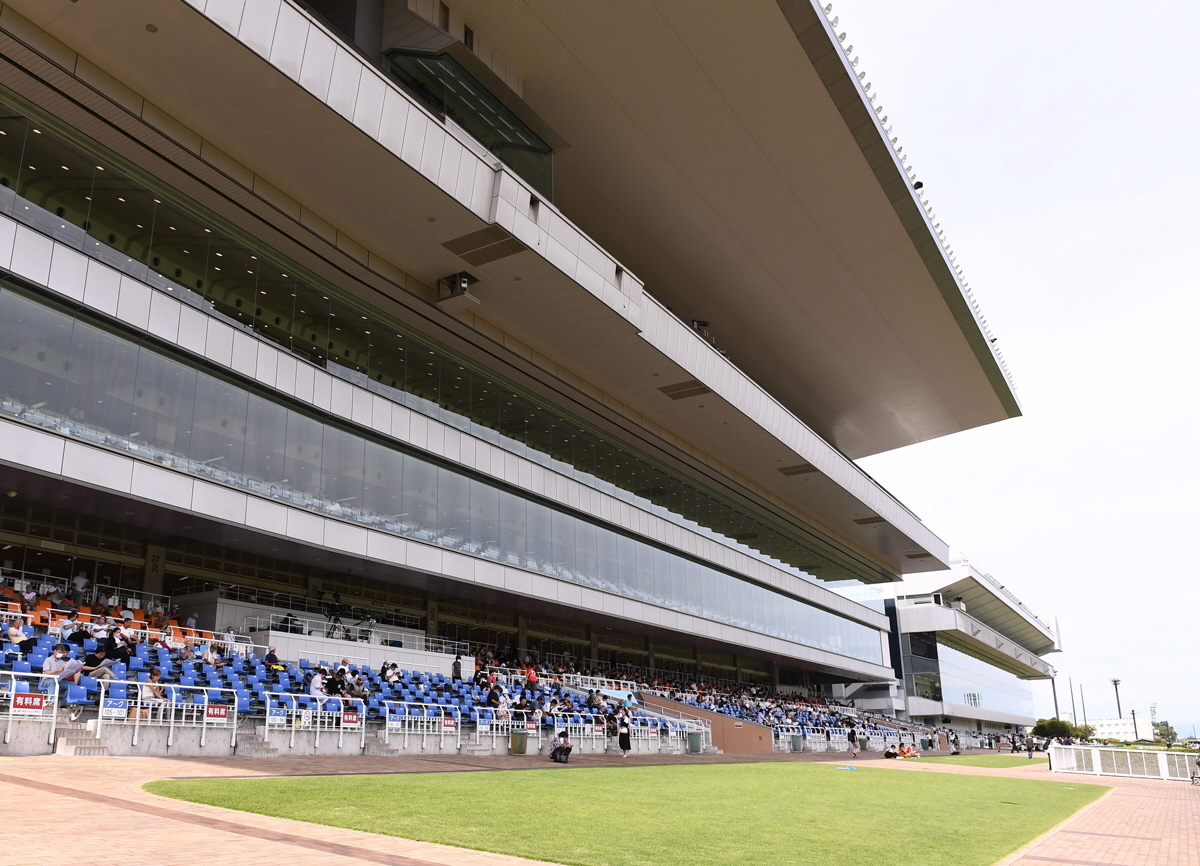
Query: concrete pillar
{"type": "Point", "coordinates": [737, 660]}
{"type": "Point", "coordinates": [152, 576]}
{"type": "Point", "coordinates": [368, 27]}
{"type": "Point", "coordinates": [594, 641]}
{"type": "Point", "coordinates": [651, 660]}
{"type": "Point", "coordinates": [431, 618]}
{"type": "Point", "coordinates": [522, 633]}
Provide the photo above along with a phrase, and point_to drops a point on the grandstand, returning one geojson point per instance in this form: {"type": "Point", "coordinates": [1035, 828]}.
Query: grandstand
{"type": "Point", "coordinates": [375, 330]}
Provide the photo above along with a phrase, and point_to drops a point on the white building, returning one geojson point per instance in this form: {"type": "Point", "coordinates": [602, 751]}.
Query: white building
{"type": "Point", "coordinates": [1123, 728]}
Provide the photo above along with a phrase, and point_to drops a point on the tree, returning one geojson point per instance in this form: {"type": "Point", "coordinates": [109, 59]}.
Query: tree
{"type": "Point", "coordinates": [1164, 732]}
{"type": "Point", "coordinates": [1051, 728]}
{"type": "Point", "coordinates": [1082, 732]}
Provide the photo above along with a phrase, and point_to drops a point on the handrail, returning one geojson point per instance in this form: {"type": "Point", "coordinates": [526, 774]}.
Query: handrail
{"type": "Point", "coordinates": [372, 635]}
{"type": "Point", "coordinates": [10, 577]}
{"type": "Point", "coordinates": [110, 707]}
{"type": "Point", "coordinates": [35, 707]}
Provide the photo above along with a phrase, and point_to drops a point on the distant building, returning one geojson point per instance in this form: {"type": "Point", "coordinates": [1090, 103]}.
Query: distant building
{"type": "Point", "coordinates": [964, 650]}
{"type": "Point", "coordinates": [1123, 729]}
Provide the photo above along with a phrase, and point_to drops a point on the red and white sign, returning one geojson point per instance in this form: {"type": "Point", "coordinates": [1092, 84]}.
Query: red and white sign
{"type": "Point", "coordinates": [531, 727]}
{"type": "Point", "coordinates": [24, 704]}
{"type": "Point", "coordinates": [216, 712]}
{"type": "Point", "coordinates": [597, 729]}
{"type": "Point", "coordinates": [449, 723]}
{"type": "Point", "coordinates": [351, 720]}
{"type": "Point", "coordinates": [737, 724]}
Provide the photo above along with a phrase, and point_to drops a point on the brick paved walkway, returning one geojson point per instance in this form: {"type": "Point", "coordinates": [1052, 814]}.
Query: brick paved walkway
{"type": "Point", "coordinates": [1141, 823]}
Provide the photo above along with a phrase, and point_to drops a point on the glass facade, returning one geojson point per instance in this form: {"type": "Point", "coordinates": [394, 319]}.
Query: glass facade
{"type": "Point", "coordinates": [69, 188]}
{"type": "Point", "coordinates": [69, 374]}
{"type": "Point", "coordinates": [447, 88]}
{"type": "Point", "coordinates": [938, 672]}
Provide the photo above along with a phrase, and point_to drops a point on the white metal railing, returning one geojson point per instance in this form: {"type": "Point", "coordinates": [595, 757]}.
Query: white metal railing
{"type": "Point", "coordinates": [1101, 761]}
{"type": "Point", "coordinates": [289, 602]}
{"type": "Point", "coordinates": [126, 702]}
{"type": "Point", "coordinates": [407, 719]}
{"type": "Point", "coordinates": [44, 584]}
{"type": "Point", "coordinates": [38, 700]}
{"type": "Point", "coordinates": [366, 632]}
{"type": "Point", "coordinates": [331, 715]}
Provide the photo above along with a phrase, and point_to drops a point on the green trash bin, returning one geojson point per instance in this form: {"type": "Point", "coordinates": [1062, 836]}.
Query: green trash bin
{"type": "Point", "coordinates": [695, 743]}
{"type": "Point", "coordinates": [925, 744]}
{"type": "Point", "coordinates": [518, 742]}
{"type": "Point", "coordinates": [797, 742]}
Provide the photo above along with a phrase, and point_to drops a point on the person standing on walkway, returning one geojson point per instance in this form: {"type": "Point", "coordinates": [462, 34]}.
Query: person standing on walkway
{"type": "Point", "coordinates": [852, 739]}
{"type": "Point", "coordinates": [623, 742]}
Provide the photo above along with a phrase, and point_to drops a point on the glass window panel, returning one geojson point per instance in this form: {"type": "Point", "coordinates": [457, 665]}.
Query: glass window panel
{"type": "Point", "coordinates": [348, 344]}
{"type": "Point", "coordinates": [35, 344]}
{"type": "Point", "coordinates": [608, 564]}
{"type": "Point", "coordinates": [454, 505]}
{"type": "Point", "coordinates": [563, 529]}
{"type": "Point", "coordinates": [310, 331]}
{"type": "Point", "coordinates": [540, 556]}
{"type": "Point", "coordinates": [586, 553]}
{"type": "Point", "coordinates": [383, 488]}
{"type": "Point", "coordinates": [303, 450]}
{"type": "Point", "coordinates": [163, 398]}
{"type": "Point", "coordinates": [420, 497]}
{"type": "Point", "coordinates": [485, 520]}
{"type": "Point", "coordinates": [513, 529]}
{"type": "Point", "coordinates": [266, 432]}
{"type": "Point", "coordinates": [218, 425]}
{"type": "Point", "coordinates": [100, 374]}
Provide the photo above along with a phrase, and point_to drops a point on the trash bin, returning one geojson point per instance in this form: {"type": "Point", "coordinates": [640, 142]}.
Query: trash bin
{"type": "Point", "coordinates": [925, 744]}
{"type": "Point", "coordinates": [797, 742]}
{"type": "Point", "coordinates": [518, 742]}
{"type": "Point", "coordinates": [695, 743]}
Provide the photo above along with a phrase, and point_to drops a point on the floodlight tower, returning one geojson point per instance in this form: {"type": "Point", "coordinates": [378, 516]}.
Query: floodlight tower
{"type": "Point", "coordinates": [1117, 688]}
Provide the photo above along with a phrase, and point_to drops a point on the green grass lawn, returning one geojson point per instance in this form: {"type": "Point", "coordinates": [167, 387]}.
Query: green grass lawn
{"type": "Point", "coordinates": [1001, 761]}
{"type": "Point", "coordinates": [770, 813]}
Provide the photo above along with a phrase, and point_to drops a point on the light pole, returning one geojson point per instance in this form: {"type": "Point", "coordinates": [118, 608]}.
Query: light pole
{"type": "Point", "coordinates": [1134, 714]}
{"type": "Point", "coordinates": [1117, 689]}
{"type": "Point", "coordinates": [1071, 686]}
{"type": "Point", "coordinates": [1083, 704]}
{"type": "Point", "coordinates": [1054, 691]}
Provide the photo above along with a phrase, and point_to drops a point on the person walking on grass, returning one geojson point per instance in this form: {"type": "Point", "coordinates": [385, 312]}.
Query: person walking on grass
{"type": "Point", "coordinates": [852, 739]}
{"type": "Point", "coordinates": [1030, 743]}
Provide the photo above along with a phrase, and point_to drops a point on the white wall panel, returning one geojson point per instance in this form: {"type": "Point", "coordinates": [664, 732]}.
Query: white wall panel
{"type": "Point", "coordinates": [245, 354]}
{"type": "Point", "coordinates": [287, 47]}
{"type": "Point", "coordinates": [369, 106]}
{"type": "Point", "coordinates": [227, 13]}
{"type": "Point", "coordinates": [220, 502]}
{"type": "Point", "coordinates": [133, 303]}
{"type": "Point", "coordinates": [98, 467]}
{"type": "Point", "coordinates": [258, 25]}
{"type": "Point", "coordinates": [31, 255]}
{"type": "Point", "coordinates": [317, 68]}
{"type": "Point", "coordinates": [344, 537]}
{"type": "Point", "coordinates": [68, 272]}
{"type": "Point", "coordinates": [23, 446]}
{"type": "Point", "coordinates": [8, 234]}
{"type": "Point", "coordinates": [161, 486]}
{"type": "Point", "coordinates": [218, 344]}
{"type": "Point", "coordinates": [266, 516]}
{"type": "Point", "coordinates": [164, 317]}
{"type": "Point", "coordinates": [343, 83]}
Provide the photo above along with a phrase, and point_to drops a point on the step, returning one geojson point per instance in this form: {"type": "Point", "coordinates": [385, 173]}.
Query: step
{"type": "Point", "coordinates": [381, 750]}
{"type": "Point", "coordinates": [258, 752]}
{"type": "Point", "coordinates": [79, 746]}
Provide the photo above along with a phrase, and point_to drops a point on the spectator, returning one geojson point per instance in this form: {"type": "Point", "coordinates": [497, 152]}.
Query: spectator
{"type": "Point", "coordinates": [271, 660]}
{"type": "Point", "coordinates": [98, 665]}
{"type": "Point", "coordinates": [852, 740]}
{"type": "Point", "coordinates": [212, 657]}
{"type": "Point", "coordinates": [66, 669]}
{"type": "Point", "coordinates": [16, 635]}
{"type": "Point", "coordinates": [623, 738]}
{"type": "Point", "coordinates": [561, 753]}
{"type": "Point", "coordinates": [152, 690]}
{"type": "Point", "coordinates": [456, 669]}
{"type": "Point", "coordinates": [79, 585]}
{"type": "Point", "coordinates": [316, 686]}
{"type": "Point", "coordinates": [72, 630]}
{"type": "Point", "coordinates": [192, 620]}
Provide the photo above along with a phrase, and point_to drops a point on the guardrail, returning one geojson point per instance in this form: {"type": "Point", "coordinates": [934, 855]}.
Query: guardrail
{"type": "Point", "coordinates": [366, 632]}
{"type": "Point", "coordinates": [332, 714]}
{"type": "Point", "coordinates": [1100, 761]}
{"type": "Point", "coordinates": [29, 703]}
{"type": "Point", "coordinates": [127, 702]}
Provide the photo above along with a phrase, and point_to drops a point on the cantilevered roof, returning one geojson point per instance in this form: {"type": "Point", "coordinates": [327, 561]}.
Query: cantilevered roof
{"type": "Point", "coordinates": [727, 155]}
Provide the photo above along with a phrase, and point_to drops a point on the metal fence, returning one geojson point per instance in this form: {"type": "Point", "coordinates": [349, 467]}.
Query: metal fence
{"type": "Point", "coordinates": [29, 697]}
{"type": "Point", "coordinates": [131, 703]}
{"type": "Point", "coordinates": [1134, 763]}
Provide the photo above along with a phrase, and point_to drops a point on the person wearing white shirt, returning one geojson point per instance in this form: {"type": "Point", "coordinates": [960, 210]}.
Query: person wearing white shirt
{"type": "Point", "coordinates": [316, 686]}
{"type": "Point", "coordinates": [79, 584]}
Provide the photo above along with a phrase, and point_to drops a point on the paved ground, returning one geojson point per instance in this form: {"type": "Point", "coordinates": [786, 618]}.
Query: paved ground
{"type": "Point", "coordinates": [1141, 823]}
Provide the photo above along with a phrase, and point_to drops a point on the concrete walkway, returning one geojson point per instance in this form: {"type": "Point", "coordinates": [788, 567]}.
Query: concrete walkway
{"type": "Point", "coordinates": [1141, 823]}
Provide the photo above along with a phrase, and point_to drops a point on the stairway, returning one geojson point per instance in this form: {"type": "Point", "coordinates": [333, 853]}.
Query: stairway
{"type": "Point", "coordinates": [74, 738]}
{"type": "Point", "coordinates": [252, 744]}
{"type": "Point", "coordinates": [377, 747]}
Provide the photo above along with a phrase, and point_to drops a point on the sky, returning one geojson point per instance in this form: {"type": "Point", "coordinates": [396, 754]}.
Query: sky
{"type": "Point", "coordinates": [1057, 143]}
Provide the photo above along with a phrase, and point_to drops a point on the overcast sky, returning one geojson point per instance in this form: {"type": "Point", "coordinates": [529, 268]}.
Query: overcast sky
{"type": "Point", "coordinates": [1058, 145]}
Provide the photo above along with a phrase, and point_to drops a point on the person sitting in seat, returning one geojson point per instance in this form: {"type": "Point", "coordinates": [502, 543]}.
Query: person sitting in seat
{"type": "Point", "coordinates": [561, 753]}
{"type": "Point", "coordinates": [212, 657]}
{"type": "Point", "coordinates": [66, 669]}
{"type": "Point", "coordinates": [152, 691]}
{"type": "Point", "coordinates": [272, 661]}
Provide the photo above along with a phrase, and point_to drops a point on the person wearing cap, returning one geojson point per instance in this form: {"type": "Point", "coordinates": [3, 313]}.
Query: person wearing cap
{"type": "Point", "coordinates": [272, 661]}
